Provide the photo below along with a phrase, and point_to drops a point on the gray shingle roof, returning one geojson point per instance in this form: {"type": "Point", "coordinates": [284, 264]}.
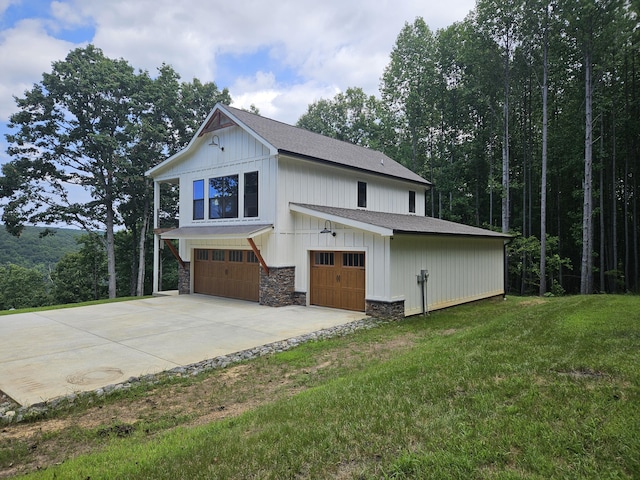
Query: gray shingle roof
{"type": "Point", "coordinates": [405, 224]}
{"type": "Point", "coordinates": [300, 142]}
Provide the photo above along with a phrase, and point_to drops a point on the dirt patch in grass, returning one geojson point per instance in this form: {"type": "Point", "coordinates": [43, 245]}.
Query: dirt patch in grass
{"type": "Point", "coordinates": [210, 397]}
{"type": "Point", "coordinates": [532, 302]}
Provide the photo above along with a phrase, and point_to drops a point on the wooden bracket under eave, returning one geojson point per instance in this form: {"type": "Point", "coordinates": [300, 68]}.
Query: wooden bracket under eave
{"type": "Point", "coordinates": [174, 251]}
{"type": "Point", "coordinates": [257, 252]}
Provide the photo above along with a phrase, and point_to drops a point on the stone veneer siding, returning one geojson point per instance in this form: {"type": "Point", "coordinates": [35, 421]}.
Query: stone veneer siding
{"type": "Point", "coordinates": [300, 298]}
{"type": "Point", "coordinates": [277, 288]}
{"type": "Point", "coordinates": [184, 279]}
{"type": "Point", "coordinates": [390, 310]}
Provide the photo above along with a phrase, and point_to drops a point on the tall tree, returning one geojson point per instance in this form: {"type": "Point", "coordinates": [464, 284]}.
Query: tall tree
{"type": "Point", "coordinates": [592, 26]}
{"type": "Point", "coordinates": [71, 142]}
{"type": "Point", "coordinates": [409, 90]}
{"type": "Point", "coordinates": [543, 180]}
{"type": "Point", "coordinates": [500, 20]}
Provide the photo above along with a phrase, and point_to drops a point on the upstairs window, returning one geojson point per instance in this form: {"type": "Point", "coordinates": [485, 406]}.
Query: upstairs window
{"type": "Point", "coordinates": [251, 194]}
{"type": "Point", "coordinates": [412, 202]}
{"type": "Point", "coordinates": [362, 194]}
{"type": "Point", "coordinates": [198, 199]}
{"type": "Point", "coordinates": [223, 197]}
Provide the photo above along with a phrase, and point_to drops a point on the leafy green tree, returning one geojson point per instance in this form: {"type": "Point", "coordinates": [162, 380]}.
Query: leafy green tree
{"type": "Point", "coordinates": [351, 116]}
{"type": "Point", "coordinates": [82, 275]}
{"type": "Point", "coordinates": [72, 136]}
{"type": "Point", "coordinates": [22, 287]}
{"type": "Point", "coordinates": [94, 125]}
{"type": "Point", "coordinates": [409, 91]}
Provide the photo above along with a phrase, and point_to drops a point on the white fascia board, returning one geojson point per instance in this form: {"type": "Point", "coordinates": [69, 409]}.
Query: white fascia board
{"type": "Point", "coordinates": [367, 227]}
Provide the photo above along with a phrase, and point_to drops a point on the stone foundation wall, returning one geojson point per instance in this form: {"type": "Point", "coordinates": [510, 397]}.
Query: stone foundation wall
{"type": "Point", "coordinates": [184, 279]}
{"type": "Point", "coordinates": [300, 298]}
{"type": "Point", "coordinates": [277, 288]}
{"type": "Point", "coordinates": [389, 310]}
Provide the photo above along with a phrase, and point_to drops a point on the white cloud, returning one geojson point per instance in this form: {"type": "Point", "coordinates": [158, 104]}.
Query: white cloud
{"type": "Point", "coordinates": [26, 51]}
{"type": "Point", "coordinates": [274, 100]}
{"type": "Point", "coordinates": [328, 46]}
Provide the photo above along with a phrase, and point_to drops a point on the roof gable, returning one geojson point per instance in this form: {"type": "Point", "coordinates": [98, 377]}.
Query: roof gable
{"type": "Point", "coordinates": [293, 141]}
{"type": "Point", "coordinates": [217, 121]}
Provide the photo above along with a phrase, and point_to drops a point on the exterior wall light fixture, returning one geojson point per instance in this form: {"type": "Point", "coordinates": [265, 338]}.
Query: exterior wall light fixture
{"type": "Point", "coordinates": [327, 228]}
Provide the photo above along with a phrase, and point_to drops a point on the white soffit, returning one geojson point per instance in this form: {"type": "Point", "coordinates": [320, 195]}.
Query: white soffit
{"type": "Point", "coordinates": [214, 232]}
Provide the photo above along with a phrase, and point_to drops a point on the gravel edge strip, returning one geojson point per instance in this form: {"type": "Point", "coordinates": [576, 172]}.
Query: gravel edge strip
{"type": "Point", "coordinates": [12, 412]}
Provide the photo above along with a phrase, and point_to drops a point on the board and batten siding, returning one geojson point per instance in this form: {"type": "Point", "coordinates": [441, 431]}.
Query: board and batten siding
{"type": "Point", "coordinates": [242, 153]}
{"type": "Point", "coordinates": [308, 238]}
{"type": "Point", "coordinates": [461, 269]}
{"type": "Point", "coordinates": [314, 183]}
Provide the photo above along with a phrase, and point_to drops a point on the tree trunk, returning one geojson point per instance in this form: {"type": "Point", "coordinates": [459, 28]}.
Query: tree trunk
{"type": "Point", "coordinates": [110, 243]}
{"type": "Point", "coordinates": [543, 180]}
{"type": "Point", "coordinates": [505, 152]}
{"type": "Point", "coordinates": [133, 260]}
{"type": "Point", "coordinates": [614, 204]}
{"type": "Point", "coordinates": [586, 270]}
{"type": "Point", "coordinates": [601, 201]}
{"type": "Point", "coordinates": [142, 250]}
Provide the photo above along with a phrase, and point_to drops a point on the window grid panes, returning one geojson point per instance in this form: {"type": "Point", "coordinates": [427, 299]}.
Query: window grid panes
{"type": "Point", "coordinates": [353, 259]}
{"type": "Point", "coordinates": [324, 258]}
{"type": "Point", "coordinates": [218, 256]}
{"type": "Point", "coordinates": [202, 255]}
{"type": "Point", "coordinates": [235, 255]}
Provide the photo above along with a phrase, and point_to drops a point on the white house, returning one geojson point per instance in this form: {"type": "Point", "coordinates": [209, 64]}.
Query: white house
{"type": "Point", "coordinates": [279, 215]}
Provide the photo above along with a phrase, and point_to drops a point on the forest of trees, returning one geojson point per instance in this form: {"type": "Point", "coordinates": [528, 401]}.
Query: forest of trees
{"type": "Point", "coordinates": [51, 266]}
{"type": "Point", "coordinates": [525, 116]}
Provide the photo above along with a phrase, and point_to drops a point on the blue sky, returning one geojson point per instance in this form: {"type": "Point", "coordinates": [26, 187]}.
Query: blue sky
{"type": "Point", "coordinates": [280, 55]}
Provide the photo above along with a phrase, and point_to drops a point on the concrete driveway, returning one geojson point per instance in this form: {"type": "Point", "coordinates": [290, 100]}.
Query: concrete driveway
{"type": "Point", "coordinates": [48, 354]}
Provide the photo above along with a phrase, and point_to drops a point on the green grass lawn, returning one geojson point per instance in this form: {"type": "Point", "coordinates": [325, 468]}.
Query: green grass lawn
{"type": "Point", "coordinates": [523, 388]}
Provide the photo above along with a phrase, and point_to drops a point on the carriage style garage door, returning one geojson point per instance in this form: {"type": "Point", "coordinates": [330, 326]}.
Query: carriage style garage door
{"type": "Point", "coordinates": [337, 280]}
{"type": "Point", "coordinates": [227, 273]}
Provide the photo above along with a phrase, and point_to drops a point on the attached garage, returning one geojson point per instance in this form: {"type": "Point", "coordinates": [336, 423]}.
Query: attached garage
{"type": "Point", "coordinates": [227, 273]}
{"type": "Point", "coordinates": [338, 280]}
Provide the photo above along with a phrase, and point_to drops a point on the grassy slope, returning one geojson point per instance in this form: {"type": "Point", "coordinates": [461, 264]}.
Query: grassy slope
{"type": "Point", "coordinates": [516, 389]}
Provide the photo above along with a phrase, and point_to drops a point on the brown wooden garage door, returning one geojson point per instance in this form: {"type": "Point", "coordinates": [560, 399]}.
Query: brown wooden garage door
{"type": "Point", "coordinates": [338, 280]}
{"type": "Point", "coordinates": [227, 273]}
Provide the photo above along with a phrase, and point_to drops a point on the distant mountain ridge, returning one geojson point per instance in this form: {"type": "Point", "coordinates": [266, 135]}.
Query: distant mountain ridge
{"type": "Point", "coordinates": [30, 250]}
